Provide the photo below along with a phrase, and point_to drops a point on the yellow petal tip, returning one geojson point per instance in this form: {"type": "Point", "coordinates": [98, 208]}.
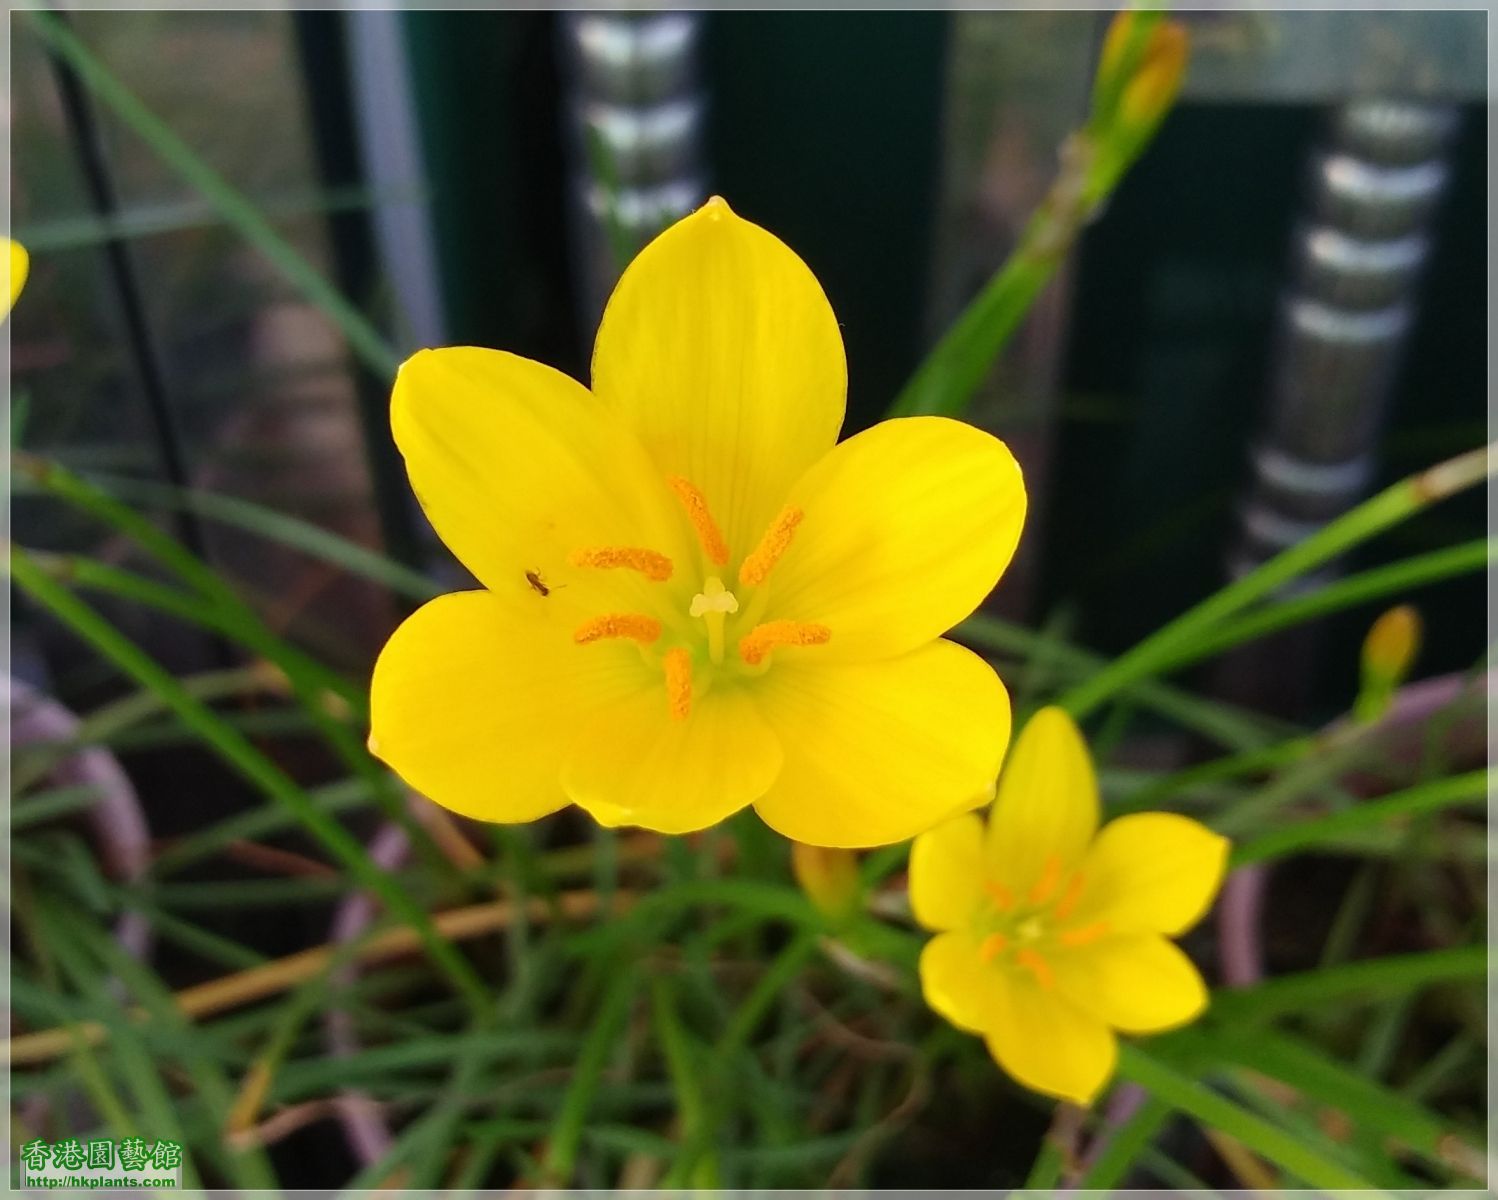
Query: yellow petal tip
{"type": "Point", "coordinates": [716, 208]}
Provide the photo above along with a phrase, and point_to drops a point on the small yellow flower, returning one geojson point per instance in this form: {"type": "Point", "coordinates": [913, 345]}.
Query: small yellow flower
{"type": "Point", "coordinates": [20, 263]}
{"type": "Point", "coordinates": [692, 600]}
{"type": "Point", "coordinates": [1051, 934]}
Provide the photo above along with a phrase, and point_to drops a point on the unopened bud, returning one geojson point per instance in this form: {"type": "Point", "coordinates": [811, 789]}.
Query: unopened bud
{"type": "Point", "coordinates": [829, 878]}
{"type": "Point", "coordinates": [1152, 90]}
{"type": "Point", "coordinates": [1138, 76]}
{"type": "Point", "coordinates": [1389, 652]}
{"type": "Point", "coordinates": [19, 266]}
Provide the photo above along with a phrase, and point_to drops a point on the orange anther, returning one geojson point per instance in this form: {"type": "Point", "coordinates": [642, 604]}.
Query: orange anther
{"type": "Point", "coordinates": [760, 640]}
{"type": "Point", "coordinates": [649, 563]}
{"type": "Point", "coordinates": [756, 568]}
{"type": "Point", "coordinates": [1084, 934]}
{"type": "Point", "coordinates": [1036, 965]}
{"type": "Point", "coordinates": [1001, 896]}
{"type": "Point", "coordinates": [1045, 886]}
{"type": "Point", "coordinates": [678, 664]}
{"type": "Point", "coordinates": [992, 946]}
{"type": "Point", "coordinates": [635, 626]}
{"type": "Point", "coordinates": [1068, 902]}
{"type": "Point", "coordinates": [701, 517]}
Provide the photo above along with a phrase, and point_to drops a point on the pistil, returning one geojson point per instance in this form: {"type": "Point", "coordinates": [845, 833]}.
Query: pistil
{"type": "Point", "coordinates": [713, 604]}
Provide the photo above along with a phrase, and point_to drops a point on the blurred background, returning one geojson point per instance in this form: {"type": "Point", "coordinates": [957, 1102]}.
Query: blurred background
{"type": "Point", "coordinates": [1282, 308]}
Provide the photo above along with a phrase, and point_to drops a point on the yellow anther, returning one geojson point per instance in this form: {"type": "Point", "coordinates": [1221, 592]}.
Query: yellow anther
{"type": "Point", "coordinates": [1069, 898]}
{"type": "Point", "coordinates": [760, 640]}
{"type": "Point", "coordinates": [635, 626]}
{"type": "Point", "coordinates": [678, 664]}
{"type": "Point", "coordinates": [707, 529]}
{"type": "Point", "coordinates": [1085, 934]}
{"type": "Point", "coordinates": [1001, 896]}
{"type": "Point", "coordinates": [756, 568]}
{"type": "Point", "coordinates": [992, 946]}
{"type": "Point", "coordinates": [1036, 965]}
{"type": "Point", "coordinates": [1045, 886]}
{"type": "Point", "coordinates": [649, 563]}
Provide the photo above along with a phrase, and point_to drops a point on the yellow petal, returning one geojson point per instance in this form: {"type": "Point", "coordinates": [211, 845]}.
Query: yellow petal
{"type": "Point", "coordinates": [1152, 872]}
{"type": "Point", "coordinates": [907, 527]}
{"type": "Point", "coordinates": [20, 265]}
{"type": "Point", "coordinates": [718, 347]}
{"type": "Point", "coordinates": [1139, 983]}
{"type": "Point", "coordinates": [1049, 1044]}
{"type": "Point", "coordinates": [637, 765]}
{"type": "Point", "coordinates": [517, 467]}
{"type": "Point", "coordinates": [475, 708]}
{"type": "Point", "coordinates": [879, 752]}
{"type": "Point", "coordinates": [957, 984]}
{"type": "Point", "coordinates": [946, 873]}
{"type": "Point", "coordinates": [1047, 806]}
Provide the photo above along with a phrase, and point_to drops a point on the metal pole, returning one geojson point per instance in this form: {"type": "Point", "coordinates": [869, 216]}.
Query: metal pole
{"type": "Point", "coordinates": [635, 112]}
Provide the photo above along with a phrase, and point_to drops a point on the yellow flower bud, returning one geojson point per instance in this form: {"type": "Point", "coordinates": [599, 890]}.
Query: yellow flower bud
{"type": "Point", "coordinates": [1152, 90]}
{"type": "Point", "coordinates": [1139, 74]}
{"type": "Point", "coordinates": [20, 263]}
{"type": "Point", "coordinates": [1389, 652]}
{"type": "Point", "coordinates": [828, 877]}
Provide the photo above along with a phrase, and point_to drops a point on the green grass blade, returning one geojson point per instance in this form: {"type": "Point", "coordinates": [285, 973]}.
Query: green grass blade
{"type": "Point", "coordinates": [1362, 588]}
{"type": "Point", "coordinates": [249, 762]}
{"type": "Point", "coordinates": [1428, 797]}
{"type": "Point", "coordinates": [1212, 1109]}
{"type": "Point", "coordinates": [232, 205]}
{"type": "Point", "coordinates": [1364, 1100]}
{"type": "Point", "coordinates": [1350, 983]}
{"type": "Point", "coordinates": [567, 1131]}
{"type": "Point", "coordinates": [278, 527]}
{"type": "Point", "coordinates": [1172, 643]}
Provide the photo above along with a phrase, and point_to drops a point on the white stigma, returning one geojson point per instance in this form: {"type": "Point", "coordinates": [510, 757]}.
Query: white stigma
{"type": "Point", "coordinates": [713, 598]}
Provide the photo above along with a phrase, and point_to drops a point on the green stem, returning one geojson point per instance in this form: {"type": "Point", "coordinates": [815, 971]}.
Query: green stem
{"type": "Point", "coordinates": [1345, 593]}
{"type": "Point", "coordinates": [1224, 724]}
{"type": "Point", "coordinates": [1354, 982]}
{"type": "Point", "coordinates": [1423, 798]}
{"type": "Point", "coordinates": [1173, 642]}
{"type": "Point", "coordinates": [1212, 1109]}
{"type": "Point", "coordinates": [572, 1117]}
{"type": "Point", "coordinates": [249, 762]}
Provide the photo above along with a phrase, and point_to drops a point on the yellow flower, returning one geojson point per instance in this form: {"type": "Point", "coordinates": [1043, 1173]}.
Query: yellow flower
{"type": "Point", "coordinates": [1051, 934]}
{"type": "Point", "coordinates": [692, 600]}
{"type": "Point", "coordinates": [20, 263]}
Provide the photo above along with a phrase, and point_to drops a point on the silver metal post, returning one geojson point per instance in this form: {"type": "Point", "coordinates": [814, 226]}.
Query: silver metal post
{"type": "Point", "coordinates": [635, 112]}
{"type": "Point", "coordinates": [1345, 320]}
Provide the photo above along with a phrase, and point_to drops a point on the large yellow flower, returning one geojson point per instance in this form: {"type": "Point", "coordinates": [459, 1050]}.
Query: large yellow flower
{"type": "Point", "coordinates": [692, 601]}
{"type": "Point", "coordinates": [1049, 938]}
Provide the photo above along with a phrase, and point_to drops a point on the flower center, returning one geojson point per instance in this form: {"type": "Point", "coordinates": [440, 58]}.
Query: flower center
{"type": "Point", "coordinates": [695, 653]}
{"type": "Point", "coordinates": [1025, 931]}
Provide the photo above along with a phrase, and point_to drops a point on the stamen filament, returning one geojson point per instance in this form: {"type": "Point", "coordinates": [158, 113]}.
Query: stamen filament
{"type": "Point", "coordinates": [992, 946]}
{"type": "Point", "coordinates": [760, 640]}
{"type": "Point", "coordinates": [1036, 965]}
{"type": "Point", "coordinates": [1045, 886]}
{"type": "Point", "coordinates": [635, 626]}
{"type": "Point", "coordinates": [701, 518]}
{"type": "Point", "coordinates": [1002, 897]}
{"type": "Point", "coordinates": [756, 568]}
{"type": "Point", "coordinates": [678, 664]}
{"type": "Point", "coordinates": [1069, 898]}
{"type": "Point", "coordinates": [649, 563]}
{"type": "Point", "coordinates": [1085, 934]}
